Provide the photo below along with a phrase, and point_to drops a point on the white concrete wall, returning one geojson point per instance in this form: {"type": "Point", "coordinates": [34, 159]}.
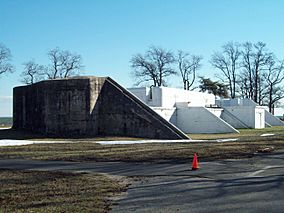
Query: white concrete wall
{"type": "Point", "coordinates": [170, 114]}
{"type": "Point", "coordinates": [155, 97]}
{"type": "Point", "coordinates": [201, 120]}
{"type": "Point", "coordinates": [272, 120]}
{"type": "Point", "coordinates": [239, 113]}
{"type": "Point", "coordinates": [235, 102]}
{"type": "Point", "coordinates": [245, 113]}
{"type": "Point", "coordinates": [233, 120]}
{"type": "Point", "coordinates": [216, 111]}
{"type": "Point", "coordinates": [168, 97]}
{"type": "Point", "coordinates": [245, 116]}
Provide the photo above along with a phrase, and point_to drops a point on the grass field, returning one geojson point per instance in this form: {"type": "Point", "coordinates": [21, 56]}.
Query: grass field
{"type": "Point", "coordinates": [87, 150]}
{"type": "Point", "coordinates": [244, 133]}
{"type": "Point", "coordinates": [42, 191]}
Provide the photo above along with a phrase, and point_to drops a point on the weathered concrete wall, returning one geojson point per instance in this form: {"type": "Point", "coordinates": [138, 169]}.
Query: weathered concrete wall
{"type": "Point", "coordinates": [87, 106]}
{"type": "Point", "coordinates": [122, 113]}
{"type": "Point", "coordinates": [54, 106]}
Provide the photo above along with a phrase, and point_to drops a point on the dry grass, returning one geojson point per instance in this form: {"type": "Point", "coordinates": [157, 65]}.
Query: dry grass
{"type": "Point", "coordinates": [244, 133]}
{"type": "Point", "coordinates": [42, 191]}
{"type": "Point", "coordinates": [250, 141]}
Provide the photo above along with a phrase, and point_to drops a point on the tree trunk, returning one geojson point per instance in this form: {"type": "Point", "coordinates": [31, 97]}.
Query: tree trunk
{"type": "Point", "coordinates": [270, 103]}
{"type": "Point", "coordinates": [184, 84]}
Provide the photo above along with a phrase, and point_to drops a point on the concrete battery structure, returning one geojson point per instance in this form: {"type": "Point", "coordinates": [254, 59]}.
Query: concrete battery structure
{"type": "Point", "coordinates": [87, 106]}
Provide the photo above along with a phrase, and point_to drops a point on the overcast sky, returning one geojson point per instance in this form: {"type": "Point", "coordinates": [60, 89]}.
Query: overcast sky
{"type": "Point", "coordinates": [108, 32]}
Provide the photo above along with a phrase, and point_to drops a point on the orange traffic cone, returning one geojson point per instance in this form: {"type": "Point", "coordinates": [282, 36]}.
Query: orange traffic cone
{"type": "Point", "coordinates": [195, 162]}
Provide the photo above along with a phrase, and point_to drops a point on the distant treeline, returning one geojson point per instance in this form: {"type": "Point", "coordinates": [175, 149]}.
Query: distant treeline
{"type": "Point", "coordinates": [6, 121]}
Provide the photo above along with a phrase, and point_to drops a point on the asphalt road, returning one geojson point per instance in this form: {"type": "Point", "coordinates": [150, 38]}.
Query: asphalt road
{"type": "Point", "coordinates": [247, 185]}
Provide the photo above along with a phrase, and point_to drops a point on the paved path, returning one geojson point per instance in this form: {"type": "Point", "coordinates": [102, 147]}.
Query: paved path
{"type": "Point", "coordinates": [248, 185]}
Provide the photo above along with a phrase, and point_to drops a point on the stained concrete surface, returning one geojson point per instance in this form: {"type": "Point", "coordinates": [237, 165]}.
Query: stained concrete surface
{"type": "Point", "coordinates": [247, 185]}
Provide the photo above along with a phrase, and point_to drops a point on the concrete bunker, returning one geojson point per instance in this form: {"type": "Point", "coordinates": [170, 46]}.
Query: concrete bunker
{"type": "Point", "coordinates": [87, 106]}
{"type": "Point", "coordinates": [192, 112]}
{"type": "Point", "coordinates": [197, 112]}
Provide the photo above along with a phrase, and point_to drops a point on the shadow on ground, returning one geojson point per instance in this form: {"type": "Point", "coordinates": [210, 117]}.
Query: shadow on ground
{"type": "Point", "coordinates": [14, 134]}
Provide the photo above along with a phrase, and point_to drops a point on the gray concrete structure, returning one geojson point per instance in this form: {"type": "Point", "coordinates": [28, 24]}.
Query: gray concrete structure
{"type": "Point", "coordinates": [87, 106]}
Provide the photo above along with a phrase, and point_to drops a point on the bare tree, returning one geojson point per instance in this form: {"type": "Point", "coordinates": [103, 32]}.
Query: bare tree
{"type": "Point", "coordinates": [246, 79]}
{"type": "Point", "coordinates": [143, 70]}
{"type": "Point", "coordinates": [63, 64]}
{"type": "Point", "coordinates": [5, 58]}
{"type": "Point", "coordinates": [155, 65]}
{"type": "Point", "coordinates": [273, 79]}
{"type": "Point", "coordinates": [243, 83]}
{"type": "Point", "coordinates": [227, 61]}
{"type": "Point", "coordinates": [255, 59]}
{"type": "Point", "coordinates": [188, 65]}
{"type": "Point", "coordinates": [32, 72]}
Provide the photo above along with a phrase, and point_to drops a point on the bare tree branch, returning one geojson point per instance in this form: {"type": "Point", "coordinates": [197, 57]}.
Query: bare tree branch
{"type": "Point", "coordinates": [227, 62]}
{"type": "Point", "coordinates": [63, 64]}
{"type": "Point", "coordinates": [188, 65]}
{"type": "Point", "coordinates": [155, 65]}
{"type": "Point", "coordinates": [5, 58]}
{"type": "Point", "coordinates": [32, 72]}
{"type": "Point", "coordinates": [255, 59]}
{"type": "Point", "coordinates": [273, 79]}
